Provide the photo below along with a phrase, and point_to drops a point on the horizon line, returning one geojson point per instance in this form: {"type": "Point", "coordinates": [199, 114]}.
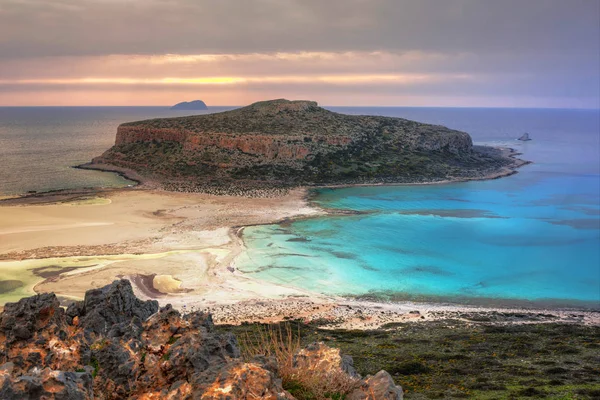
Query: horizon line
{"type": "Point", "coordinates": [324, 106]}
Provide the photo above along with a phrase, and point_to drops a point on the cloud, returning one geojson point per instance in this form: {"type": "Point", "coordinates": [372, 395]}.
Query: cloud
{"type": "Point", "coordinates": [509, 50]}
{"type": "Point", "coordinates": [101, 27]}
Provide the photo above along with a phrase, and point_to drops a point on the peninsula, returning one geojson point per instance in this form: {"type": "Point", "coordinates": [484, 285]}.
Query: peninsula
{"type": "Point", "coordinates": [281, 143]}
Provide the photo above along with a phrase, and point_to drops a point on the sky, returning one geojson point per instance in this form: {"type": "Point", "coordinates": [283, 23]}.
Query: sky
{"type": "Point", "coordinates": [449, 53]}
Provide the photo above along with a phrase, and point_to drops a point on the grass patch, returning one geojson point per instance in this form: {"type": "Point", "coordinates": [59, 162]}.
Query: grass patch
{"type": "Point", "coordinates": [455, 359]}
{"type": "Point", "coordinates": [96, 365]}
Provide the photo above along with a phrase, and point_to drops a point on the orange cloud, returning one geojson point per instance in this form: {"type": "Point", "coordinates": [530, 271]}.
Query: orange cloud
{"type": "Point", "coordinates": [232, 80]}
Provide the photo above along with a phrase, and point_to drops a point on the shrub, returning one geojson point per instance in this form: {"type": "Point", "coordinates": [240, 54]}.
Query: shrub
{"type": "Point", "coordinates": [304, 383]}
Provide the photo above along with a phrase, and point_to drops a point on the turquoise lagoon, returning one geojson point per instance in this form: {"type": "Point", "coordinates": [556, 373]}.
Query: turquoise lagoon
{"type": "Point", "coordinates": [532, 238]}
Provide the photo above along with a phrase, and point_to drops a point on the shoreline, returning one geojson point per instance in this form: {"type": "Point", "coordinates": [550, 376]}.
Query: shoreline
{"type": "Point", "coordinates": [128, 174]}
{"type": "Point", "coordinates": [184, 254]}
{"type": "Point", "coordinates": [365, 315]}
{"type": "Point", "coordinates": [504, 172]}
{"type": "Point", "coordinates": [506, 152]}
{"type": "Point", "coordinates": [143, 183]}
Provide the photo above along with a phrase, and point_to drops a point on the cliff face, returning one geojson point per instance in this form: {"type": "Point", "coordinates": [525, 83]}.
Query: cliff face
{"type": "Point", "coordinates": [115, 346]}
{"type": "Point", "coordinates": [284, 142]}
{"type": "Point", "coordinates": [281, 148]}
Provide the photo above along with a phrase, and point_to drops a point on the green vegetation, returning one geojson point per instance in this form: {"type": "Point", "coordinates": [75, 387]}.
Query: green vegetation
{"type": "Point", "coordinates": [96, 365]}
{"type": "Point", "coordinates": [456, 359]}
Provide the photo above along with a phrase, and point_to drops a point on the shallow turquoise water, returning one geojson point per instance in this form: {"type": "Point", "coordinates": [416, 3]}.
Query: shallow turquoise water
{"type": "Point", "coordinates": [532, 236]}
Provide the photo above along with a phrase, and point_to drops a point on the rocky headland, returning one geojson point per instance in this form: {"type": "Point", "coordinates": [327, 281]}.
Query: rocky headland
{"type": "Point", "coordinates": [280, 143]}
{"type": "Point", "coordinates": [112, 345]}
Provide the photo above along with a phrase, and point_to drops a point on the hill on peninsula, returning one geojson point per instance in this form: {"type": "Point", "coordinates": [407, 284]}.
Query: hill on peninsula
{"type": "Point", "coordinates": [281, 143]}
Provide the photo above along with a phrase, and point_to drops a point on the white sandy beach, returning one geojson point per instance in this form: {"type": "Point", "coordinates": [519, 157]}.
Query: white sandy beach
{"type": "Point", "coordinates": [175, 247]}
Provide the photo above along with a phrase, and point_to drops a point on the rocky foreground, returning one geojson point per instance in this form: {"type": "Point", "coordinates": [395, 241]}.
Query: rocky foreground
{"type": "Point", "coordinates": [280, 143]}
{"type": "Point", "coordinates": [112, 345]}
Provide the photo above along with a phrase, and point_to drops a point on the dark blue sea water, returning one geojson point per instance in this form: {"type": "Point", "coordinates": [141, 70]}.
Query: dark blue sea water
{"type": "Point", "coordinates": [532, 236]}
{"type": "Point", "coordinates": [39, 145]}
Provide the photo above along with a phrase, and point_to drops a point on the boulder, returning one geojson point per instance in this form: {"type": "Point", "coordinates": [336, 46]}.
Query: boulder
{"type": "Point", "coordinates": [246, 381]}
{"type": "Point", "coordinates": [318, 356]}
{"type": "Point", "coordinates": [381, 386]}
{"type": "Point", "coordinates": [114, 304]}
{"type": "Point", "coordinates": [46, 384]}
{"type": "Point", "coordinates": [24, 319]}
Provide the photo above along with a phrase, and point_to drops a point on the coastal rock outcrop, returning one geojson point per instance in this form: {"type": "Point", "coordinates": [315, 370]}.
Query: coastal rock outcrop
{"type": "Point", "coordinates": [280, 143]}
{"type": "Point", "coordinates": [45, 384]}
{"type": "Point", "coordinates": [525, 137]}
{"type": "Point", "coordinates": [112, 345]}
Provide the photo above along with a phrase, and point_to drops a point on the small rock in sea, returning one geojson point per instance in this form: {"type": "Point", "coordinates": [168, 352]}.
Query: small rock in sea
{"type": "Point", "coordinates": [525, 137]}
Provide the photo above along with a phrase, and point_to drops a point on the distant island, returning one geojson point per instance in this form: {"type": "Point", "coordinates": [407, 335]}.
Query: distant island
{"type": "Point", "coordinates": [190, 105]}
{"type": "Point", "coordinates": [282, 143]}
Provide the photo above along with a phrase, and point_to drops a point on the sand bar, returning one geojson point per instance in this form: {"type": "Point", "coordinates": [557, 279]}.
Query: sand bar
{"type": "Point", "coordinates": [177, 247]}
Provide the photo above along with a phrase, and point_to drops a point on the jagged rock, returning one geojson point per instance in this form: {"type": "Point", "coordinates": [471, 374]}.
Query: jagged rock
{"type": "Point", "coordinates": [103, 308]}
{"type": "Point", "coordinates": [381, 386]}
{"type": "Point", "coordinates": [24, 319]}
{"type": "Point", "coordinates": [46, 384]}
{"type": "Point", "coordinates": [34, 333]}
{"type": "Point", "coordinates": [115, 346]}
{"type": "Point", "coordinates": [246, 381]}
{"type": "Point", "coordinates": [118, 367]}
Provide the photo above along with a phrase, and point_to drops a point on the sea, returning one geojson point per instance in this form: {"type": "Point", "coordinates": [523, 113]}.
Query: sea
{"type": "Point", "coordinates": [532, 238]}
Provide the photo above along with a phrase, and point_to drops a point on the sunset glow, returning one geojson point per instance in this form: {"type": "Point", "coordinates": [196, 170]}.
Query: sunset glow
{"type": "Point", "coordinates": [381, 52]}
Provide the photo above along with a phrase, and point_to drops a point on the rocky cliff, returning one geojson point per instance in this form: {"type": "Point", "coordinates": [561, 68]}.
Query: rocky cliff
{"type": "Point", "coordinates": [112, 345]}
{"type": "Point", "coordinates": [282, 143]}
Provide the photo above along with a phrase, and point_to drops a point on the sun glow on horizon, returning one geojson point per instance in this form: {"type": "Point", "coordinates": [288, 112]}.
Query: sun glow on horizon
{"type": "Point", "coordinates": [232, 80]}
{"type": "Point", "coordinates": [385, 78]}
